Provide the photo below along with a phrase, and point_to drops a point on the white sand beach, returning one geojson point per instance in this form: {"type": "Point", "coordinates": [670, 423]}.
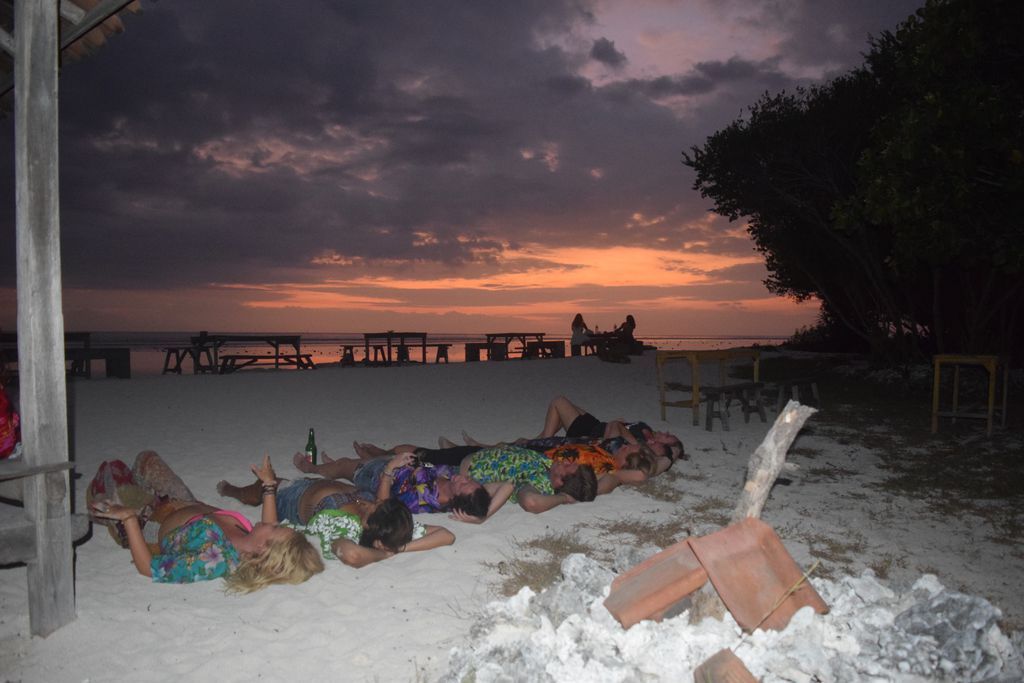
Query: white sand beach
{"type": "Point", "coordinates": [400, 619]}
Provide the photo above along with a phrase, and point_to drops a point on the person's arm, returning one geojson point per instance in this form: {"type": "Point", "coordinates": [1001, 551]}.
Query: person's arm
{"type": "Point", "coordinates": [355, 555]}
{"type": "Point", "coordinates": [435, 537]}
{"type": "Point", "coordinates": [610, 481]}
{"type": "Point", "coordinates": [129, 517]}
{"type": "Point", "coordinates": [500, 492]}
{"type": "Point", "coordinates": [532, 500]}
{"type": "Point", "coordinates": [387, 477]}
{"type": "Point", "coordinates": [267, 477]}
{"type": "Point", "coordinates": [617, 428]}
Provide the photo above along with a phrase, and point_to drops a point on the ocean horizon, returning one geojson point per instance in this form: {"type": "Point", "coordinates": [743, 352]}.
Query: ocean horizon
{"type": "Point", "coordinates": [148, 349]}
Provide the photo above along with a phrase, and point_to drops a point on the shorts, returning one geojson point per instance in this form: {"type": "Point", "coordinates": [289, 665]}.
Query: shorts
{"type": "Point", "coordinates": [288, 498]}
{"type": "Point", "coordinates": [586, 425]}
{"type": "Point", "coordinates": [446, 456]}
{"type": "Point", "coordinates": [367, 475]}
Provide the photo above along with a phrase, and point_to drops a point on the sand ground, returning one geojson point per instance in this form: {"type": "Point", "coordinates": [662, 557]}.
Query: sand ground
{"type": "Point", "coordinates": [872, 489]}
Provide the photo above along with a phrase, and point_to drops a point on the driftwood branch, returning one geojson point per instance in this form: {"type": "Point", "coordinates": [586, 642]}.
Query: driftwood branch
{"type": "Point", "coordinates": [762, 471]}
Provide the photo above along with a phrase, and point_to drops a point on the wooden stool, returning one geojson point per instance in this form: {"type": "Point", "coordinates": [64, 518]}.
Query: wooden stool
{"type": "Point", "coordinates": [442, 352]}
{"type": "Point", "coordinates": [991, 365]}
{"type": "Point", "coordinates": [348, 355]}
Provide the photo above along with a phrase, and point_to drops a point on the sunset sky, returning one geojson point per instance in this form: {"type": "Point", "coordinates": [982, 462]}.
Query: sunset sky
{"type": "Point", "coordinates": [455, 166]}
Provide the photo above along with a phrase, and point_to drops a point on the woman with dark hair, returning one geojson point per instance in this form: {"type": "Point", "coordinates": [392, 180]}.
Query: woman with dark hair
{"type": "Point", "coordinates": [352, 525]}
{"type": "Point", "coordinates": [626, 329]}
{"type": "Point", "coordinates": [580, 335]}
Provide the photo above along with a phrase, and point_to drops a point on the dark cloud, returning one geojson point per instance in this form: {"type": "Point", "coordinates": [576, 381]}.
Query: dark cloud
{"type": "Point", "coordinates": [604, 51]}
{"type": "Point", "coordinates": [213, 143]}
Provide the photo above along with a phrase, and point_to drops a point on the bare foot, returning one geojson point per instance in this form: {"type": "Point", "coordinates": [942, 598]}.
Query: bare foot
{"type": "Point", "coordinates": [443, 442]}
{"type": "Point", "coordinates": [470, 441]}
{"type": "Point", "coordinates": [302, 464]}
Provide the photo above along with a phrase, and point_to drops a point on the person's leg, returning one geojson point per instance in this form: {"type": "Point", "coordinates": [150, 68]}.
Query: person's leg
{"type": "Point", "coordinates": [368, 450]}
{"type": "Point", "coordinates": [470, 441]}
{"type": "Point", "coordinates": [452, 455]}
{"type": "Point", "coordinates": [248, 495]}
{"type": "Point", "coordinates": [342, 468]}
{"type": "Point", "coordinates": [561, 413]}
{"type": "Point", "coordinates": [156, 476]}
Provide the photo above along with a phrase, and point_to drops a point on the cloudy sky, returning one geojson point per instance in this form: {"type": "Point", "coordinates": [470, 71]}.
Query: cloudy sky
{"type": "Point", "coordinates": [459, 166]}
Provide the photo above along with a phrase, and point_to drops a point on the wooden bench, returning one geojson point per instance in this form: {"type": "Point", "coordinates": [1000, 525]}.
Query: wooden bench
{"type": "Point", "coordinates": [236, 361]}
{"type": "Point", "coordinates": [494, 351]}
{"type": "Point", "coordinates": [791, 388]}
{"type": "Point", "coordinates": [718, 396]}
{"type": "Point", "coordinates": [118, 361]}
{"type": "Point", "coordinates": [202, 359]}
{"type": "Point", "coordinates": [748, 394]}
{"type": "Point", "coordinates": [545, 349]}
{"type": "Point", "coordinates": [442, 352]}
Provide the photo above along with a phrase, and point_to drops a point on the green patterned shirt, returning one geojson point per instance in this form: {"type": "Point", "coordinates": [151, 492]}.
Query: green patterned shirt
{"type": "Point", "coordinates": [521, 466]}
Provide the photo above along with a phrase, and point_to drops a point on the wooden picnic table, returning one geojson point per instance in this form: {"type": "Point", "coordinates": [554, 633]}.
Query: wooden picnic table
{"type": "Point", "coordinates": [210, 345]}
{"type": "Point", "coordinates": [392, 339]}
{"type": "Point", "coordinates": [506, 338]}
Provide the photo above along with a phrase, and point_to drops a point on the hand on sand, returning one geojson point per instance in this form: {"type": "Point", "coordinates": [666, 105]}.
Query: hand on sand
{"type": "Point", "coordinates": [103, 509]}
{"type": "Point", "coordinates": [461, 516]}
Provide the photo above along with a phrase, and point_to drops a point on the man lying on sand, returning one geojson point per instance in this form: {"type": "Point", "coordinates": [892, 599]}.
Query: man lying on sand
{"type": "Point", "coordinates": [577, 423]}
{"type": "Point", "coordinates": [419, 488]}
{"type": "Point", "coordinates": [629, 464]}
{"type": "Point", "coordinates": [506, 473]}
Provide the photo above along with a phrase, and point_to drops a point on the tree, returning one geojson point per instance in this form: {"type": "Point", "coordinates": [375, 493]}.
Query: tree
{"type": "Point", "coordinates": [893, 193]}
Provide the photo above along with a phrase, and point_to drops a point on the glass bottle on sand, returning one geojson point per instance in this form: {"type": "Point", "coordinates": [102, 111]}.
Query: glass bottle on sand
{"type": "Point", "coordinates": [311, 447]}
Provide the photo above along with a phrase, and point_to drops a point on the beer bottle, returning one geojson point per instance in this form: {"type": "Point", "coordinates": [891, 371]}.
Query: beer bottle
{"type": "Point", "coordinates": [311, 447]}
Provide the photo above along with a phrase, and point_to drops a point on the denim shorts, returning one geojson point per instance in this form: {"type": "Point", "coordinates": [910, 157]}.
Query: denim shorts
{"type": "Point", "coordinates": [367, 476]}
{"type": "Point", "coordinates": [288, 497]}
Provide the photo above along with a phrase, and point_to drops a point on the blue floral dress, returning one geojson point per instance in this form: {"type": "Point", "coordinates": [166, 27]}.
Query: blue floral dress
{"type": "Point", "coordinates": [197, 551]}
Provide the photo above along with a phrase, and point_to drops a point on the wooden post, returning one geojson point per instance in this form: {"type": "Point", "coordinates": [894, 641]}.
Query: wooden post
{"type": "Point", "coordinates": [40, 318]}
{"type": "Point", "coordinates": [762, 471]}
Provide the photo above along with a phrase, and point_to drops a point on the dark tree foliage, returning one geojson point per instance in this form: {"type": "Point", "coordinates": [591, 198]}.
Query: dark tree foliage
{"type": "Point", "coordinates": [894, 193]}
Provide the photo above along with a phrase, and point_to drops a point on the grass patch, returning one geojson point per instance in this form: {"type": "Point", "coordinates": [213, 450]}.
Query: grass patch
{"type": "Point", "coordinates": [538, 573]}
{"type": "Point", "coordinates": [833, 552]}
{"type": "Point", "coordinates": [663, 487]}
{"type": "Point", "coordinates": [885, 564]}
{"type": "Point", "coordinates": [661, 534]}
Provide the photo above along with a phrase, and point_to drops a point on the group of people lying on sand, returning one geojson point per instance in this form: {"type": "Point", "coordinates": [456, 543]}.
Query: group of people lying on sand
{"type": "Point", "coordinates": [174, 538]}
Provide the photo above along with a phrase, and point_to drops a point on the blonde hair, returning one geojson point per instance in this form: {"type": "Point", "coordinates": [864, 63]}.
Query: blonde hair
{"type": "Point", "coordinates": [293, 560]}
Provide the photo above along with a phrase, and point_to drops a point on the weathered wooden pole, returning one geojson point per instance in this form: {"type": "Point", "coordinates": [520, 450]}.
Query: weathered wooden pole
{"type": "Point", "coordinates": [40, 317]}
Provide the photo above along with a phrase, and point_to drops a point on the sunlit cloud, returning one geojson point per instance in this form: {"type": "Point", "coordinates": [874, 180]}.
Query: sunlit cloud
{"type": "Point", "coordinates": [238, 155]}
